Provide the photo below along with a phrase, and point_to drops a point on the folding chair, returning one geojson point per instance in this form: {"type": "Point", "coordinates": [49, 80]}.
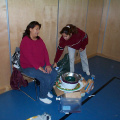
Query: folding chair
{"type": "Point", "coordinates": [36, 83]}
{"type": "Point", "coordinates": [16, 64]}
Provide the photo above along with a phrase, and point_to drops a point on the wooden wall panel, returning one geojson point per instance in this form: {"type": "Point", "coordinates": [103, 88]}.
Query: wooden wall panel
{"type": "Point", "coordinates": [4, 48]}
{"type": "Point", "coordinates": [111, 47]}
{"type": "Point", "coordinates": [22, 12]}
{"type": "Point", "coordinates": [103, 33]}
{"type": "Point", "coordinates": [102, 27]}
{"type": "Point", "coordinates": [72, 12]}
{"type": "Point", "coordinates": [93, 24]}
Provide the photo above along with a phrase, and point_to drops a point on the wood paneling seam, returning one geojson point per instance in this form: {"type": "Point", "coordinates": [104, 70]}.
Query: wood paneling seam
{"type": "Point", "coordinates": [8, 34]}
{"type": "Point", "coordinates": [86, 16]}
{"type": "Point", "coordinates": [105, 27]}
{"type": "Point", "coordinates": [57, 26]}
{"type": "Point", "coordinates": [100, 25]}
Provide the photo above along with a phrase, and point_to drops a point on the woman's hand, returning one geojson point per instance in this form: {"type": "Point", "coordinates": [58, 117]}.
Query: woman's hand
{"type": "Point", "coordinates": [41, 69]}
{"type": "Point", "coordinates": [55, 65]}
{"type": "Point", "coordinates": [48, 69]}
{"type": "Point", "coordinates": [81, 49]}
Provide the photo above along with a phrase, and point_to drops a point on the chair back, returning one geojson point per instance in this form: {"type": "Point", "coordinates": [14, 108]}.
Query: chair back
{"type": "Point", "coordinates": [16, 58]}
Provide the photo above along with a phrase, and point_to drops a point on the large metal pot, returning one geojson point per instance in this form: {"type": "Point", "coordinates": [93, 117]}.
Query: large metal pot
{"type": "Point", "coordinates": [69, 80]}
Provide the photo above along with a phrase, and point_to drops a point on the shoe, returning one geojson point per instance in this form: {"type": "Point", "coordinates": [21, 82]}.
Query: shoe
{"type": "Point", "coordinates": [50, 95]}
{"type": "Point", "coordinates": [88, 73]}
{"type": "Point", "coordinates": [45, 100]}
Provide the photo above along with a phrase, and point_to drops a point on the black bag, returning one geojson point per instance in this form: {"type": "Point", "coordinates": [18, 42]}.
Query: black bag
{"type": "Point", "coordinates": [63, 65]}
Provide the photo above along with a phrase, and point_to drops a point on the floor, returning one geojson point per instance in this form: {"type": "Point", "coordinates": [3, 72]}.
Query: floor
{"type": "Point", "coordinates": [104, 105]}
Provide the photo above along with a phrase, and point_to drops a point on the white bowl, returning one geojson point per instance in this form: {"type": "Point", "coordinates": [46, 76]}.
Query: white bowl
{"type": "Point", "coordinates": [68, 86]}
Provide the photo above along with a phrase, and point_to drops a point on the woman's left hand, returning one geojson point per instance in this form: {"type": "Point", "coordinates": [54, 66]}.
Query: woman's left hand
{"type": "Point", "coordinates": [48, 69]}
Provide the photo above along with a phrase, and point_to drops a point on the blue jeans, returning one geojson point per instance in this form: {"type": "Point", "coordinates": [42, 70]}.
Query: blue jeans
{"type": "Point", "coordinates": [46, 80]}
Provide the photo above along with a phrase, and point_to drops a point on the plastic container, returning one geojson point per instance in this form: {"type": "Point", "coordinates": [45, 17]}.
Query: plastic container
{"type": "Point", "coordinates": [70, 105]}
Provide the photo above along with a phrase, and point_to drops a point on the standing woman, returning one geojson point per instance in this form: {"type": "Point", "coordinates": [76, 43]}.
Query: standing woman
{"type": "Point", "coordinates": [75, 39]}
{"type": "Point", "coordinates": [34, 60]}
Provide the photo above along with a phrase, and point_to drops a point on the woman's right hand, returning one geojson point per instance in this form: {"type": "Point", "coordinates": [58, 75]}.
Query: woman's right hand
{"type": "Point", "coordinates": [55, 65]}
{"type": "Point", "coordinates": [41, 69]}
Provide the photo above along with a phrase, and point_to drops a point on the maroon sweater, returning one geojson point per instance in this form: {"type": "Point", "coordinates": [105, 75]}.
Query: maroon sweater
{"type": "Point", "coordinates": [77, 41]}
{"type": "Point", "coordinates": [33, 53]}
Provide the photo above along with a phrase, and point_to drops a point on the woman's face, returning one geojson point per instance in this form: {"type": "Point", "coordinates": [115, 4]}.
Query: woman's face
{"type": "Point", "coordinates": [66, 37]}
{"type": "Point", "coordinates": [34, 32]}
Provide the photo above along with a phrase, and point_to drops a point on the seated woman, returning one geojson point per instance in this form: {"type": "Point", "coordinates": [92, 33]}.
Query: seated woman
{"type": "Point", "coordinates": [34, 61]}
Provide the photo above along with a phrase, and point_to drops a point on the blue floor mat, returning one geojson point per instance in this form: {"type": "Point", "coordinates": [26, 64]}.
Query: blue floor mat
{"type": "Point", "coordinates": [15, 105]}
{"type": "Point", "coordinates": [103, 106]}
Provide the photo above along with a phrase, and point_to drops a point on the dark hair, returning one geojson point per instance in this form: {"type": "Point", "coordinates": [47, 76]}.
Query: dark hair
{"type": "Point", "coordinates": [30, 25]}
{"type": "Point", "coordinates": [68, 29]}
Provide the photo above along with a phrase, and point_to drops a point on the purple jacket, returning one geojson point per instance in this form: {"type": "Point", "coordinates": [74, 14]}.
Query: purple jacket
{"type": "Point", "coordinates": [17, 80]}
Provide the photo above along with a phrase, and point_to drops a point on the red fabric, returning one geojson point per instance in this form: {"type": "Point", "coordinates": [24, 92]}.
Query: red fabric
{"type": "Point", "coordinates": [74, 42]}
{"type": "Point", "coordinates": [33, 53]}
{"type": "Point", "coordinates": [17, 80]}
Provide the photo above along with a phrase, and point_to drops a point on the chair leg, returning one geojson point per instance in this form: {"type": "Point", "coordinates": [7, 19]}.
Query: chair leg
{"type": "Point", "coordinates": [36, 90]}
{"type": "Point", "coordinates": [37, 83]}
{"type": "Point", "coordinates": [26, 94]}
